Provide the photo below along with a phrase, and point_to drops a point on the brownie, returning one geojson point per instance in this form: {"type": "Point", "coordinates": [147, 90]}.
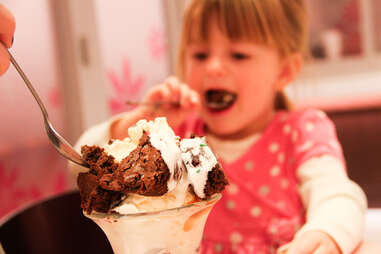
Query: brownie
{"type": "Point", "coordinates": [93, 196]}
{"type": "Point", "coordinates": [99, 161]}
{"type": "Point", "coordinates": [216, 181]}
{"type": "Point", "coordinates": [142, 172]}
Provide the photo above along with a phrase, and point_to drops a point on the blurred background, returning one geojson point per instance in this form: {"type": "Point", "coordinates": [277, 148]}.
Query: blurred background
{"type": "Point", "coordinates": [86, 58]}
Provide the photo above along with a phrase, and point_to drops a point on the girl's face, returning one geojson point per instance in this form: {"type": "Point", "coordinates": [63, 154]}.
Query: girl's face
{"type": "Point", "coordinates": [237, 82]}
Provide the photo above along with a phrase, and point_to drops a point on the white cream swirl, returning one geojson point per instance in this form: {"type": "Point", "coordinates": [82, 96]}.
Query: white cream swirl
{"type": "Point", "coordinates": [199, 160]}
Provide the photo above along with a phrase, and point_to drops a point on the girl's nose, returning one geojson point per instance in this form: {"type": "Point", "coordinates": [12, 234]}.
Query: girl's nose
{"type": "Point", "coordinates": [215, 66]}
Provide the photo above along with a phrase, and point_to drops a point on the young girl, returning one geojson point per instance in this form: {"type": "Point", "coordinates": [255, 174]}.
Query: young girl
{"type": "Point", "coordinates": [288, 186]}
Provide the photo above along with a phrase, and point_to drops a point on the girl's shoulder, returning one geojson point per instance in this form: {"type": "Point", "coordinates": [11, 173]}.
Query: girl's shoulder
{"type": "Point", "coordinates": [305, 114]}
{"type": "Point", "coordinates": [311, 133]}
{"type": "Point", "coordinates": [307, 119]}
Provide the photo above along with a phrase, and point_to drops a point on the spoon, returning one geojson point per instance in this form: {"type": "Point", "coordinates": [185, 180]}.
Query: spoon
{"type": "Point", "coordinates": [155, 105]}
{"type": "Point", "coordinates": [62, 146]}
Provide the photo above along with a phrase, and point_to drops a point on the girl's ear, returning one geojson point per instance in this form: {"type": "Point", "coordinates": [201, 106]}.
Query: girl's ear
{"type": "Point", "coordinates": [290, 70]}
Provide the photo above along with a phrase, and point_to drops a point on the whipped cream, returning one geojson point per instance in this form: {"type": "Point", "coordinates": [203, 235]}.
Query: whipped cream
{"type": "Point", "coordinates": [136, 203]}
{"type": "Point", "coordinates": [199, 160]}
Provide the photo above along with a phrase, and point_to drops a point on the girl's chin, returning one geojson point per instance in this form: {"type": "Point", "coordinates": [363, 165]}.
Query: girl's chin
{"type": "Point", "coordinates": [222, 127]}
{"type": "Point", "coordinates": [228, 131]}
{"type": "Point", "coordinates": [224, 133]}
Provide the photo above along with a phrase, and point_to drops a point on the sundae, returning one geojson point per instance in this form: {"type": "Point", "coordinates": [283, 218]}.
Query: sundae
{"type": "Point", "coordinates": [151, 192]}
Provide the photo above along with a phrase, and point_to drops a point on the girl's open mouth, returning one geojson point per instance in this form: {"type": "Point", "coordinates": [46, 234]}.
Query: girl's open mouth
{"type": "Point", "coordinates": [219, 100]}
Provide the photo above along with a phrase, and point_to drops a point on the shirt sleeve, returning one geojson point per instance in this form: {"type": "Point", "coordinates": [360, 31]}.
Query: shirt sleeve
{"type": "Point", "coordinates": [313, 134]}
{"type": "Point", "coordinates": [334, 204]}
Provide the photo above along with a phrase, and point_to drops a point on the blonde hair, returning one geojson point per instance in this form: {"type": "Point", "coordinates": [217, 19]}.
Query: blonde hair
{"type": "Point", "coordinates": [281, 24]}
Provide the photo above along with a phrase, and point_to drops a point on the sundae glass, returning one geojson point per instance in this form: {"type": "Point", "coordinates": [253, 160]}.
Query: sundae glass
{"type": "Point", "coordinates": [171, 231]}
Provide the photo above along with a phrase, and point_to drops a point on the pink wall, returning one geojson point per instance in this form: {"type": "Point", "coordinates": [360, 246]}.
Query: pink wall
{"type": "Point", "coordinates": [134, 48]}
{"type": "Point", "coordinates": [34, 49]}
{"type": "Point", "coordinates": [134, 51]}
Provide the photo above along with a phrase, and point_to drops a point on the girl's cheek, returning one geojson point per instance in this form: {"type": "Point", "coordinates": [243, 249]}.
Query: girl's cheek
{"type": "Point", "coordinates": [193, 82]}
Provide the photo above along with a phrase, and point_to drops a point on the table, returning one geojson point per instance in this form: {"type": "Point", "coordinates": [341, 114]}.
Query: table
{"type": "Point", "coordinates": [55, 225]}
{"type": "Point", "coordinates": [359, 134]}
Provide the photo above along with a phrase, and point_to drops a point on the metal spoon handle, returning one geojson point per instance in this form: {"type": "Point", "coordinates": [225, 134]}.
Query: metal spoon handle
{"type": "Point", "coordinates": [28, 84]}
{"type": "Point", "coordinates": [61, 145]}
{"type": "Point", "coordinates": [153, 104]}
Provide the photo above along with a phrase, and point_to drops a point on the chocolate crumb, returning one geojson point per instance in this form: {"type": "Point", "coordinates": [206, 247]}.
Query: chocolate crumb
{"type": "Point", "coordinates": [216, 181]}
{"type": "Point", "coordinates": [195, 161]}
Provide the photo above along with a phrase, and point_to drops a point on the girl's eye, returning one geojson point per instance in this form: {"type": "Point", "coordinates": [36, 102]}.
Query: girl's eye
{"type": "Point", "coordinates": [240, 56]}
{"type": "Point", "coordinates": [200, 56]}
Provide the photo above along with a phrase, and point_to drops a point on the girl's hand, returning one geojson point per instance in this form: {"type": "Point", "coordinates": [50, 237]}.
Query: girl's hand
{"type": "Point", "coordinates": [7, 28]}
{"type": "Point", "coordinates": [174, 100]}
{"type": "Point", "coordinates": [314, 242]}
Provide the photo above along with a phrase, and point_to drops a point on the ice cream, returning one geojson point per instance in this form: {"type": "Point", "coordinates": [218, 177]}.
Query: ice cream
{"type": "Point", "coordinates": [151, 170]}
{"type": "Point", "coordinates": [151, 192]}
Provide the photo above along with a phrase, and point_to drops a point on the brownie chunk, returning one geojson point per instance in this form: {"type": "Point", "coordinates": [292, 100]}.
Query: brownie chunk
{"type": "Point", "coordinates": [144, 171]}
{"type": "Point", "coordinates": [100, 163]}
{"type": "Point", "coordinates": [216, 181]}
{"type": "Point", "coordinates": [94, 197]}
